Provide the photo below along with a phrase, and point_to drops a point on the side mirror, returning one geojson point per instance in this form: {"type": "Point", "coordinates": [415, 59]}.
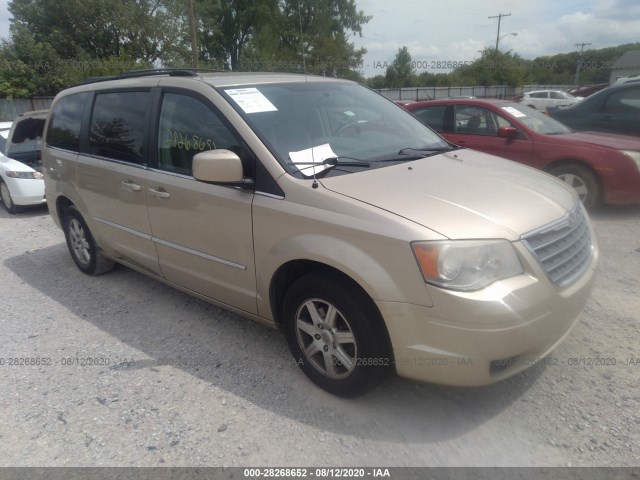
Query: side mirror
{"type": "Point", "coordinates": [218, 166]}
{"type": "Point", "coordinates": [508, 132]}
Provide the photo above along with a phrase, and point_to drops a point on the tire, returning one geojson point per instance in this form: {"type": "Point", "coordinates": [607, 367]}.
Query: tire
{"type": "Point", "coordinates": [7, 201]}
{"type": "Point", "coordinates": [347, 353]}
{"type": "Point", "coordinates": [82, 246]}
{"type": "Point", "coordinates": [583, 181]}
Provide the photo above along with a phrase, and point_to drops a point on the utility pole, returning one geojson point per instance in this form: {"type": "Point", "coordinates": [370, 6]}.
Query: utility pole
{"type": "Point", "coordinates": [581, 45]}
{"type": "Point", "coordinates": [192, 28]}
{"type": "Point", "coordinates": [499, 17]}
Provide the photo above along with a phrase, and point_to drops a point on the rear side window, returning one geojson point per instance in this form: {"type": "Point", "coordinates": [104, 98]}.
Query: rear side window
{"type": "Point", "coordinates": [118, 125]}
{"type": "Point", "coordinates": [623, 101]}
{"type": "Point", "coordinates": [65, 121]}
{"type": "Point", "coordinates": [432, 116]}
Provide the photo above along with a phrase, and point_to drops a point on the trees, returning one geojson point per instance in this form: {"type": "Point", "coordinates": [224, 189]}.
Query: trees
{"type": "Point", "coordinates": [56, 43]}
{"type": "Point", "coordinates": [401, 73]}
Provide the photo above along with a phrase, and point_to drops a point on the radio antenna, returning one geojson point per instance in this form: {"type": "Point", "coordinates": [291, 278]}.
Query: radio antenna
{"type": "Point", "coordinates": [304, 69]}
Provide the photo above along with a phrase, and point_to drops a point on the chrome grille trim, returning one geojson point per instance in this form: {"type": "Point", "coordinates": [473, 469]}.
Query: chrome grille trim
{"type": "Point", "coordinates": [563, 248]}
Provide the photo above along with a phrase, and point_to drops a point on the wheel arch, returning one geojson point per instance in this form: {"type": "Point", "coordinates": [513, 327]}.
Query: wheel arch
{"type": "Point", "coordinates": [62, 204]}
{"type": "Point", "coordinates": [292, 270]}
{"type": "Point", "coordinates": [574, 162]}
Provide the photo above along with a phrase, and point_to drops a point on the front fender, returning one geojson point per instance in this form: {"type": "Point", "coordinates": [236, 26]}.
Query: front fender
{"type": "Point", "coordinates": [385, 277]}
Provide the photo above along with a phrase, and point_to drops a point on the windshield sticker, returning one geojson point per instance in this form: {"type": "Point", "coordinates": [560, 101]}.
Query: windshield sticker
{"type": "Point", "coordinates": [514, 111]}
{"type": "Point", "coordinates": [251, 100]}
{"type": "Point", "coordinates": [316, 155]}
{"type": "Point", "coordinates": [349, 113]}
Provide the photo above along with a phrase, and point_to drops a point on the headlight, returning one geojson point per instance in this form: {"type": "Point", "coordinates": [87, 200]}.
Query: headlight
{"type": "Point", "coordinates": [36, 175]}
{"type": "Point", "coordinates": [635, 156]}
{"type": "Point", "coordinates": [466, 264]}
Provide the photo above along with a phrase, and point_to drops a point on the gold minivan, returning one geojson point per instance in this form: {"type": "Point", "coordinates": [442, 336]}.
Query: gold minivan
{"type": "Point", "coordinates": [318, 206]}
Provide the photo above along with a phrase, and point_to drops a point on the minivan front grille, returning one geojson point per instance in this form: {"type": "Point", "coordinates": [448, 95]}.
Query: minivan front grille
{"type": "Point", "coordinates": [563, 248]}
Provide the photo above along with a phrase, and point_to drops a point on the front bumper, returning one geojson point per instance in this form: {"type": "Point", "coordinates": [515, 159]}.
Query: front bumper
{"type": "Point", "coordinates": [26, 192]}
{"type": "Point", "coordinates": [479, 338]}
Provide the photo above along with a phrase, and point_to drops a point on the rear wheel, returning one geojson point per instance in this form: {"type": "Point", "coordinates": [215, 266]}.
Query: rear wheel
{"type": "Point", "coordinates": [583, 181]}
{"type": "Point", "coordinates": [82, 246]}
{"type": "Point", "coordinates": [7, 201]}
{"type": "Point", "coordinates": [336, 334]}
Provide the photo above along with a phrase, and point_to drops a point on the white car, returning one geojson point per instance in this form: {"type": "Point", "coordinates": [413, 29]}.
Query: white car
{"type": "Point", "coordinates": [543, 99]}
{"type": "Point", "coordinates": [20, 185]}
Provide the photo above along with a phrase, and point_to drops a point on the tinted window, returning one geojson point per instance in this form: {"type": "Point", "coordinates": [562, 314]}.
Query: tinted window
{"type": "Point", "coordinates": [64, 125]}
{"type": "Point", "coordinates": [557, 95]}
{"type": "Point", "coordinates": [538, 95]}
{"type": "Point", "coordinates": [623, 101]}
{"type": "Point", "coordinates": [118, 125]}
{"type": "Point", "coordinates": [432, 116]}
{"type": "Point", "coordinates": [187, 126]}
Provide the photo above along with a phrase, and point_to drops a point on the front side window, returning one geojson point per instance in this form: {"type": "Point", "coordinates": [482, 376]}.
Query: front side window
{"type": "Point", "coordinates": [187, 127]}
{"type": "Point", "coordinates": [557, 96]}
{"type": "Point", "coordinates": [65, 121]}
{"type": "Point", "coordinates": [118, 124]}
{"type": "Point", "coordinates": [476, 120]}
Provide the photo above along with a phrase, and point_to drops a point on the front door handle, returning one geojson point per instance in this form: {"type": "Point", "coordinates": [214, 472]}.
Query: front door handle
{"type": "Point", "coordinates": [160, 193]}
{"type": "Point", "coordinates": [129, 185]}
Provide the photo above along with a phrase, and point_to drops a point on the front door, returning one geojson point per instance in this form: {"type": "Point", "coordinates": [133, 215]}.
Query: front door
{"type": "Point", "coordinates": [203, 232]}
{"type": "Point", "coordinates": [477, 127]}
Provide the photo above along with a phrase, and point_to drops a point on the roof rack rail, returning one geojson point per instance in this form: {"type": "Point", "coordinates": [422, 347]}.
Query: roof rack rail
{"type": "Point", "coordinates": [172, 72]}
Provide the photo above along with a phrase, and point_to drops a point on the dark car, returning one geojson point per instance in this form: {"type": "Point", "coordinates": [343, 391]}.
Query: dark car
{"type": "Point", "coordinates": [615, 109]}
{"type": "Point", "coordinates": [601, 167]}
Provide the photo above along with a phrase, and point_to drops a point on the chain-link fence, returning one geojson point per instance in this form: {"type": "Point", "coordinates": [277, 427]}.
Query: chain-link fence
{"type": "Point", "coordinates": [436, 93]}
{"type": "Point", "coordinates": [10, 108]}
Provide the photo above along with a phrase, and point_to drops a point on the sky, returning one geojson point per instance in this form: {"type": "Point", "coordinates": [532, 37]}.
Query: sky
{"type": "Point", "coordinates": [455, 30]}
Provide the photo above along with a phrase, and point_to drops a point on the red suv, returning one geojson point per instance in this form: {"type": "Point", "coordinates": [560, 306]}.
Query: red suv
{"type": "Point", "coordinates": [602, 167]}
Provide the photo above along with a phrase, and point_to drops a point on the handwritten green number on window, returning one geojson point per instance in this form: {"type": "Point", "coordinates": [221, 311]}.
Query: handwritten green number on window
{"type": "Point", "coordinates": [167, 143]}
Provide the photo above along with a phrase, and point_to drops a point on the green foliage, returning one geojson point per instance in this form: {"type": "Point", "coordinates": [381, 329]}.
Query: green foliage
{"type": "Point", "coordinates": [506, 68]}
{"type": "Point", "coordinates": [400, 73]}
{"type": "Point", "coordinates": [57, 43]}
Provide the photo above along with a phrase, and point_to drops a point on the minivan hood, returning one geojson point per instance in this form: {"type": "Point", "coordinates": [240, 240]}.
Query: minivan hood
{"type": "Point", "coordinates": [462, 194]}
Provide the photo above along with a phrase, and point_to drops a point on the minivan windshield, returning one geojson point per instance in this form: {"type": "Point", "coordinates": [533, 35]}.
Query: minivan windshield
{"type": "Point", "coordinates": [307, 123]}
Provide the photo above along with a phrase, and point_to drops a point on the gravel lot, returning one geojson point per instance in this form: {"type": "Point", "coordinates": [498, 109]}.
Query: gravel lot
{"type": "Point", "coordinates": [183, 383]}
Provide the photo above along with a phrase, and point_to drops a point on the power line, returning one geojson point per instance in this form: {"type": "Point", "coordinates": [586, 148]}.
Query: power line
{"type": "Point", "coordinates": [499, 17]}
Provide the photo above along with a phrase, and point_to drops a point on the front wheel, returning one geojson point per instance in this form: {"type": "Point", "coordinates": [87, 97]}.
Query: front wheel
{"type": "Point", "coordinates": [336, 334]}
{"type": "Point", "coordinates": [82, 246]}
{"type": "Point", "coordinates": [7, 201]}
{"type": "Point", "coordinates": [583, 181]}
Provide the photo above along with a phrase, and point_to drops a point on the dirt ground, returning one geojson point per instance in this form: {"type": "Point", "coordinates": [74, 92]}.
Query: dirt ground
{"type": "Point", "coordinates": [135, 373]}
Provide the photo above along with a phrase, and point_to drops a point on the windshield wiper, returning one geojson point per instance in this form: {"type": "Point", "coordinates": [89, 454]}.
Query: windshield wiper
{"type": "Point", "coordinates": [427, 151]}
{"type": "Point", "coordinates": [339, 161]}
